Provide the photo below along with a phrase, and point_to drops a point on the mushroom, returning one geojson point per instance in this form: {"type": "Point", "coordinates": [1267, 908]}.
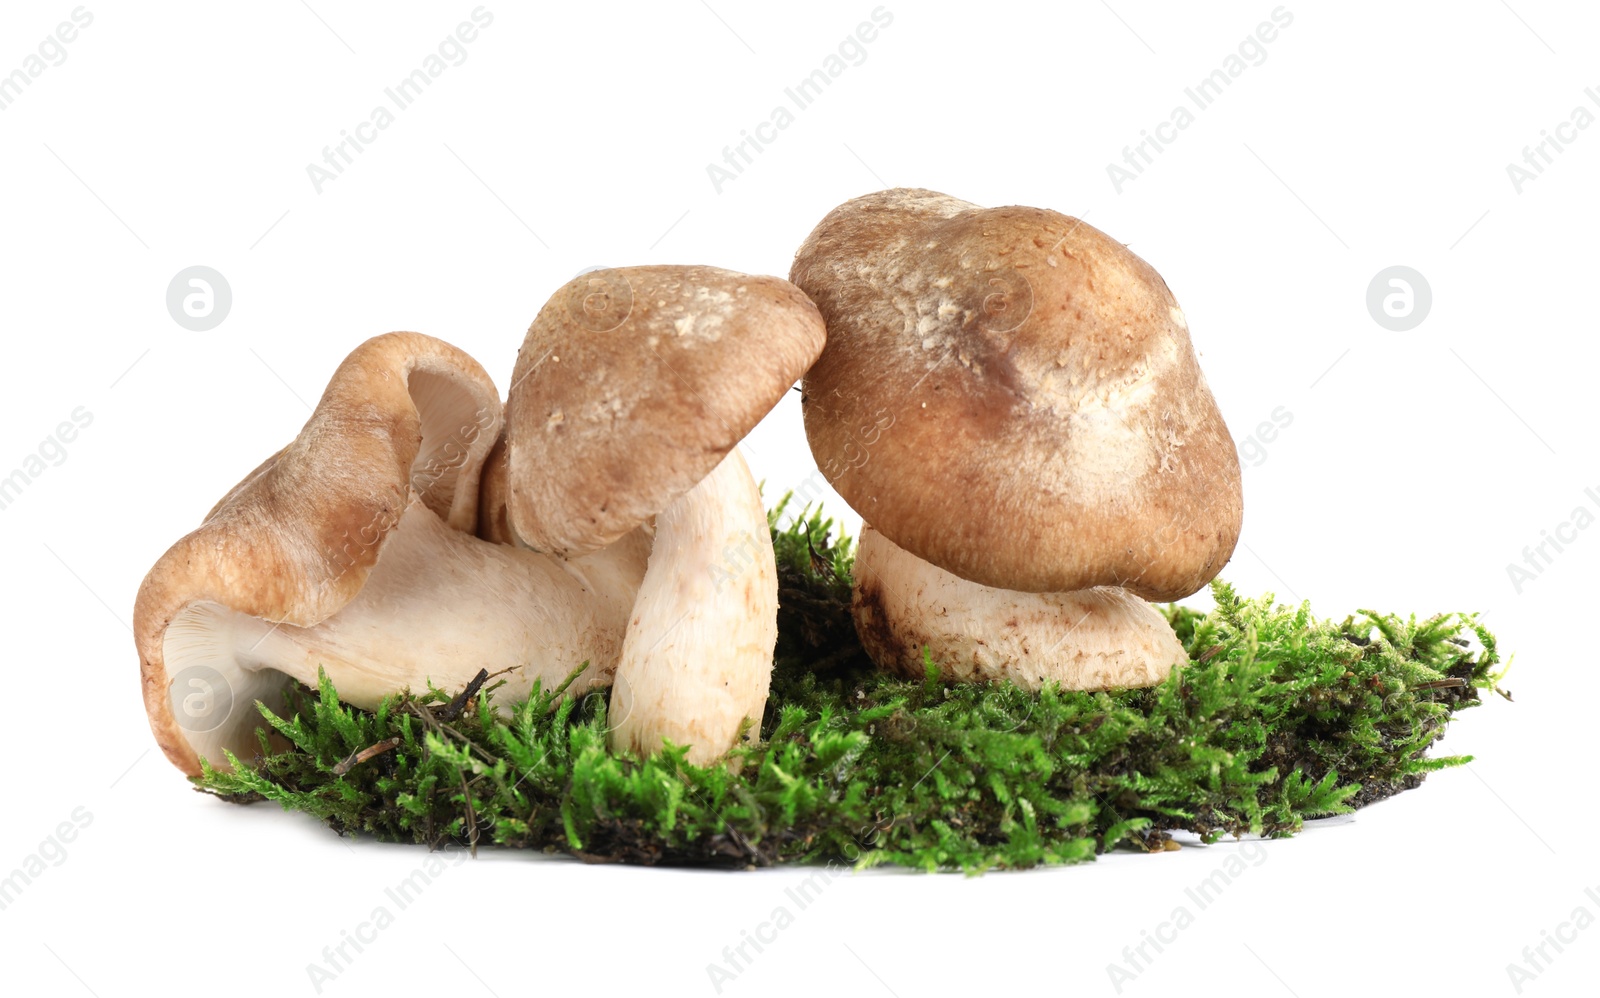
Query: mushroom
{"type": "Point", "coordinates": [1009, 396]}
{"type": "Point", "coordinates": [1092, 639]}
{"type": "Point", "coordinates": [631, 391]}
{"type": "Point", "coordinates": [351, 550]}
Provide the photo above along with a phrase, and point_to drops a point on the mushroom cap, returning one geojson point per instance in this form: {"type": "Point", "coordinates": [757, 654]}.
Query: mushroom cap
{"type": "Point", "coordinates": [1012, 395]}
{"type": "Point", "coordinates": [633, 384]}
{"type": "Point", "coordinates": [404, 415]}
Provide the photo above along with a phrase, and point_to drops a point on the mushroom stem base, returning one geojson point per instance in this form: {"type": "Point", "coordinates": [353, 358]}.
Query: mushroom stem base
{"type": "Point", "coordinates": [1092, 639]}
{"type": "Point", "coordinates": [697, 659]}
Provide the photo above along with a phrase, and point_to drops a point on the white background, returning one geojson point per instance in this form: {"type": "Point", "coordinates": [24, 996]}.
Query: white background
{"type": "Point", "coordinates": [1417, 466]}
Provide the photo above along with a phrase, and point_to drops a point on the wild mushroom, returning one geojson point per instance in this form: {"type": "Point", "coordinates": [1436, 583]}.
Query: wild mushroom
{"type": "Point", "coordinates": [1092, 639]}
{"type": "Point", "coordinates": [631, 391]}
{"type": "Point", "coordinates": [1010, 396]}
{"type": "Point", "coordinates": [352, 550]}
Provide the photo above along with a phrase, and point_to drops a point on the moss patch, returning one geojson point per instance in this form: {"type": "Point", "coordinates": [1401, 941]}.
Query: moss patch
{"type": "Point", "coordinates": [1279, 717]}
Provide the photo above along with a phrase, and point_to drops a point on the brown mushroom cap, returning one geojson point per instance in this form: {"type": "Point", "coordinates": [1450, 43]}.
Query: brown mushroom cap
{"type": "Point", "coordinates": [1012, 395]}
{"type": "Point", "coordinates": [405, 415]}
{"type": "Point", "coordinates": [633, 384]}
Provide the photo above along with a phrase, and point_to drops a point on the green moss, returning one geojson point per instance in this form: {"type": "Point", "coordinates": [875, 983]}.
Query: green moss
{"type": "Point", "coordinates": [1279, 717]}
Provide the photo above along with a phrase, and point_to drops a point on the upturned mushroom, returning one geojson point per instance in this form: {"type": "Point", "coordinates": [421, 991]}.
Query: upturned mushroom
{"type": "Point", "coordinates": [631, 392]}
{"type": "Point", "coordinates": [351, 550]}
{"type": "Point", "coordinates": [1011, 400]}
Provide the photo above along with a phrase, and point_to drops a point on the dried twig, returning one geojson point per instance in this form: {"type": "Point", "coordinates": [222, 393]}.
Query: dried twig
{"type": "Point", "coordinates": [1454, 682]}
{"type": "Point", "coordinates": [426, 715]}
{"type": "Point", "coordinates": [458, 703]}
{"type": "Point", "coordinates": [819, 565]}
{"type": "Point", "coordinates": [357, 758]}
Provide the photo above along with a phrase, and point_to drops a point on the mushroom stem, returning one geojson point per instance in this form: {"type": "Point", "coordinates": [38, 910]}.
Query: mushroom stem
{"type": "Point", "coordinates": [697, 659]}
{"type": "Point", "coordinates": [438, 606]}
{"type": "Point", "coordinates": [1091, 639]}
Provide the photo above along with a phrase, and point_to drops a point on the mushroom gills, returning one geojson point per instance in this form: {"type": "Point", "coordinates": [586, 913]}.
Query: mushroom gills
{"type": "Point", "coordinates": [447, 465]}
{"type": "Point", "coordinates": [697, 660]}
{"type": "Point", "coordinates": [438, 606]}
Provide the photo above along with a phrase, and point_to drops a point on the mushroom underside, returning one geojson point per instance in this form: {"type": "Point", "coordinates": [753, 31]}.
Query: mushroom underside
{"type": "Point", "coordinates": [438, 606]}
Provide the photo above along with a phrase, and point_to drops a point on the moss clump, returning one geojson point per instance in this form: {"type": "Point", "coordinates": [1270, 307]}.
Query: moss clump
{"type": "Point", "coordinates": [1279, 717]}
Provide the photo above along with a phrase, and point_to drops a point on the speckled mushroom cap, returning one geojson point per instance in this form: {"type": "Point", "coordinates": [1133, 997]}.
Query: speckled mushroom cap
{"type": "Point", "coordinates": [404, 416]}
{"type": "Point", "coordinates": [1012, 395]}
{"type": "Point", "coordinates": [633, 384]}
